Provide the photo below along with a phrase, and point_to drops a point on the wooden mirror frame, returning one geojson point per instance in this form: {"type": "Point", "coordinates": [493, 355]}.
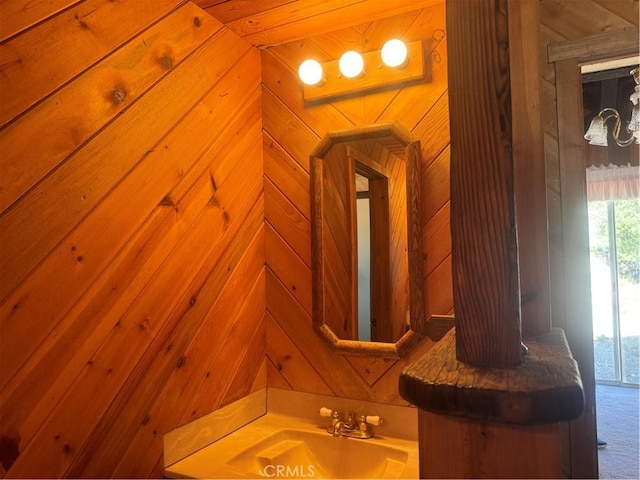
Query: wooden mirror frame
{"type": "Point", "coordinates": [400, 142]}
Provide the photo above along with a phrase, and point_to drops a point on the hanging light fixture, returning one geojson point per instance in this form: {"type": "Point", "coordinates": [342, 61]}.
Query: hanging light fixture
{"type": "Point", "coordinates": [598, 131]}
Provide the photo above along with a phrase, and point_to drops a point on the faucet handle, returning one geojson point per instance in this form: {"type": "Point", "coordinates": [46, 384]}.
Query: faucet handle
{"type": "Point", "coordinates": [326, 412]}
{"type": "Point", "coordinates": [373, 420]}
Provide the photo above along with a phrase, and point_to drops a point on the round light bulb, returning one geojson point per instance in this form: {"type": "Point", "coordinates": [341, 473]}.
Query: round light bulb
{"type": "Point", "coordinates": [351, 64]}
{"type": "Point", "coordinates": [310, 72]}
{"type": "Point", "coordinates": [394, 53]}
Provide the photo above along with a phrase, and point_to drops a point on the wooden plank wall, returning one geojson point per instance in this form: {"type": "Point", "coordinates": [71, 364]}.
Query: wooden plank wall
{"type": "Point", "coordinates": [131, 231]}
{"type": "Point", "coordinates": [297, 358]}
{"type": "Point", "coordinates": [559, 21]}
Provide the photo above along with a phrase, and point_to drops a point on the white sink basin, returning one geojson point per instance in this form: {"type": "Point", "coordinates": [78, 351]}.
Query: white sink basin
{"type": "Point", "coordinates": [280, 446]}
{"type": "Point", "coordinates": [299, 453]}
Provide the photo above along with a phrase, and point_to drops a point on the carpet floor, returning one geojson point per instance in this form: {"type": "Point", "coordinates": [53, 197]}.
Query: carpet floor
{"type": "Point", "coordinates": [618, 424]}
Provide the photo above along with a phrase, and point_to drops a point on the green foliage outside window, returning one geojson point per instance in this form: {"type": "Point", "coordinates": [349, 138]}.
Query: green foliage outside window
{"type": "Point", "coordinates": [627, 220]}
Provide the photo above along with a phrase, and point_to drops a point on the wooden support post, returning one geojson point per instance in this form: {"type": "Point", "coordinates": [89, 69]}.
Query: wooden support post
{"type": "Point", "coordinates": [483, 227]}
{"type": "Point", "coordinates": [495, 412]}
{"type": "Point", "coordinates": [481, 449]}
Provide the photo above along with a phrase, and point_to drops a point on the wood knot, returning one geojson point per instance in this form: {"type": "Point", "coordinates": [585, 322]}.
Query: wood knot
{"type": "Point", "coordinates": [181, 362]}
{"type": "Point", "coordinates": [9, 451]}
{"type": "Point", "coordinates": [197, 22]}
{"type": "Point", "coordinates": [118, 96]}
{"type": "Point", "coordinates": [166, 201]}
{"type": "Point", "coordinates": [166, 63]}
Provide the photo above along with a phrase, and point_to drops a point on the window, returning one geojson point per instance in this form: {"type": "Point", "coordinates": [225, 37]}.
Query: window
{"type": "Point", "coordinates": [614, 239]}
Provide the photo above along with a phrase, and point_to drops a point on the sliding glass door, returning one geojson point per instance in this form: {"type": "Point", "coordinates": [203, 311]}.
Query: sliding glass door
{"type": "Point", "coordinates": [614, 236]}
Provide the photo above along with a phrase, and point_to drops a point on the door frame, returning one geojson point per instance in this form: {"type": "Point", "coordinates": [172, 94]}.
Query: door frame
{"type": "Point", "coordinates": [568, 57]}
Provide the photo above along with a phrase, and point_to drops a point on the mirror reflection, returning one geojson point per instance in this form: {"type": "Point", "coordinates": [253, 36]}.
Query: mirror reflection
{"type": "Point", "coordinates": [365, 231]}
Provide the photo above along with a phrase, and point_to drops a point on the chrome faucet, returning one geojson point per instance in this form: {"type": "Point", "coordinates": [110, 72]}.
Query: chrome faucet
{"type": "Point", "coordinates": [350, 427]}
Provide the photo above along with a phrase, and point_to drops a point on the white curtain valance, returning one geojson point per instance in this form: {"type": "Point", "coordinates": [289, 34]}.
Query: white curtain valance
{"type": "Point", "coordinates": [612, 182]}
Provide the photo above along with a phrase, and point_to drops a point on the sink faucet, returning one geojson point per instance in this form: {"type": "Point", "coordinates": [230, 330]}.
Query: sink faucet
{"type": "Point", "coordinates": [350, 427]}
{"type": "Point", "coordinates": [342, 427]}
{"type": "Point", "coordinates": [338, 428]}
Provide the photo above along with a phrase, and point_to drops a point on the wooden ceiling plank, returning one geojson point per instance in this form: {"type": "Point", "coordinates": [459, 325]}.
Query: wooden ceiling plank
{"type": "Point", "coordinates": [627, 9]}
{"type": "Point", "coordinates": [579, 19]}
{"type": "Point", "coordinates": [274, 31]}
{"type": "Point", "coordinates": [229, 11]}
{"type": "Point", "coordinates": [290, 13]}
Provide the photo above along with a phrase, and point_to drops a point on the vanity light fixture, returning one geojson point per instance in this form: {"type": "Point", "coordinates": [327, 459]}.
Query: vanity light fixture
{"type": "Point", "coordinates": [354, 72]}
{"type": "Point", "coordinates": [598, 131]}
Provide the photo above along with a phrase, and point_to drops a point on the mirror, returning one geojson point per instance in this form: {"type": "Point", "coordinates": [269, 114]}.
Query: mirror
{"type": "Point", "coordinates": [367, 246]}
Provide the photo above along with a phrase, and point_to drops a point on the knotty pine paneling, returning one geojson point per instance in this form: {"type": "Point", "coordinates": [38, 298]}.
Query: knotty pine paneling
{"type": "Point", "coordinates": [44, 220]}
{"type": "Point", "coordinates": [291, 130]}
{"type": "Point", "coordinates": [18, 15]}
{"type": "Point", "coordinates": [55, 123]}
{"type": "Point", "coordinates": [90, 30]}
{"type": "Point", "coordinates": [132, 248]}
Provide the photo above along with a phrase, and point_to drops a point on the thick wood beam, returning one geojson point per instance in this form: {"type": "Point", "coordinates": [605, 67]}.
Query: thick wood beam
{"type": "Point", "coordinates": [623, 42]}
{"type": "Point", "coordinates": [483, 227]}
